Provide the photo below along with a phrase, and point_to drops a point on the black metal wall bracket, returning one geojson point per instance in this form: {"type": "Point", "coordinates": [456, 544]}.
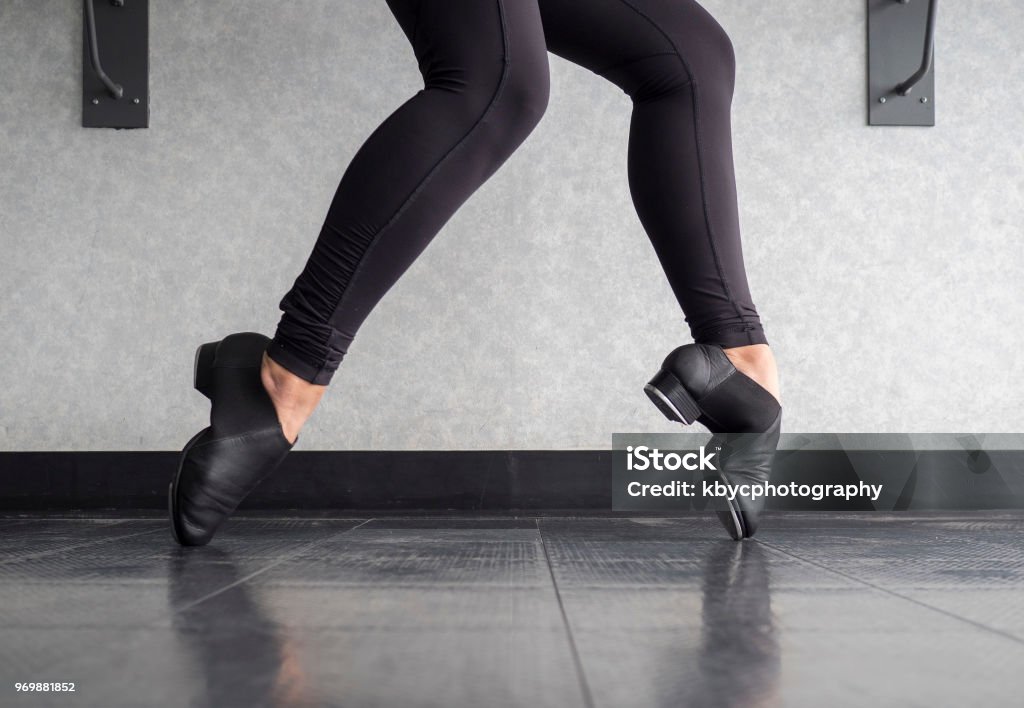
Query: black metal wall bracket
{"type": "Point", "coordinates": [115, 39]}
{"type": "Point", "coordinates": [901, 62]}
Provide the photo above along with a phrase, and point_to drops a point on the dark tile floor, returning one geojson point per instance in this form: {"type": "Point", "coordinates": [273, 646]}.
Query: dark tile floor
{"type": "Point", "coordinates": [840, 610]}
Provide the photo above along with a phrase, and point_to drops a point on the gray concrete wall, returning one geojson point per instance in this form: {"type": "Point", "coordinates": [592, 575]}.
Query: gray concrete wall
{"type": "Point", "coordinates": [886, 261]}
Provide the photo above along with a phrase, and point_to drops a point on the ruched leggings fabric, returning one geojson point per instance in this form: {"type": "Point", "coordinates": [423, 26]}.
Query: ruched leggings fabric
{"type": "Point", "coordinates": [485, 71]}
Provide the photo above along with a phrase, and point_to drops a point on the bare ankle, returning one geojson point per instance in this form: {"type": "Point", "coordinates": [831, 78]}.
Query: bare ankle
{"type": "Point", "coordinates": [294, 398]}
{"type": "Point", "coordinates": [758, 362]}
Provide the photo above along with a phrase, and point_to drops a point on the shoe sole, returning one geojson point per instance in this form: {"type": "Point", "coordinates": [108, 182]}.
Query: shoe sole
{"type": "Point", "coordinates": [670, 397]}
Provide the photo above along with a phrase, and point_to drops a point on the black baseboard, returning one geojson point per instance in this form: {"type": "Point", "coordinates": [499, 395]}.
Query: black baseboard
{"type": "Point", "coordinates": [506, 480]}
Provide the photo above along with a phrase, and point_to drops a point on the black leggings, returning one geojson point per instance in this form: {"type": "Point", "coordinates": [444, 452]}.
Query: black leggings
{"type": "Point", "coordinates": [485, 71]}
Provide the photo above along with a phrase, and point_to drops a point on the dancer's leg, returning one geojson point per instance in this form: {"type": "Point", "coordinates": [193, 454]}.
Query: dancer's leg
{"type": "Point", "coordinates": [484, 65]}
{"type": "Point", "coordinates": [677, 64]}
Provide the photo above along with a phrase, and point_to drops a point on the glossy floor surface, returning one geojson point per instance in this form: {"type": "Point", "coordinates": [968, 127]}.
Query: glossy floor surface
{"type": "Point", "coordinates": [818, 611]}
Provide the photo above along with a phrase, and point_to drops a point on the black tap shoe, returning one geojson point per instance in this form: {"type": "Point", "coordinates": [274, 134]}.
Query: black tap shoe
{"type": "Point", "coordinates": [698, 383]}
{"type": "Point", "coordinates": [242, 446]}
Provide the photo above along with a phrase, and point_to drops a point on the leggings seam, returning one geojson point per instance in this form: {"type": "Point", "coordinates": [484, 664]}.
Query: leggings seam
{"type": "Point", "coordinates": [700, 154]}
{"type": "Point", "coordinates": [437, 166]}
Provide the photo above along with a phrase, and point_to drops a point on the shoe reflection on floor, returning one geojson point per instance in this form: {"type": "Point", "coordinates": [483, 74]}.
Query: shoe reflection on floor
{"type": "Point", "coordinates": [739, 655]}
{"type": "Point", "coordinates": [236, 646]}
{"type": "Point", "coordinates": [240, 653]}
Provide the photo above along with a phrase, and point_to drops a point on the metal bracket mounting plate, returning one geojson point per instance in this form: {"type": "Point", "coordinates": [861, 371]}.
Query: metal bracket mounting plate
{"type": "Point", "coordinates": [896, 36]}
{"type": "Point", "coordinates": [123, 42]}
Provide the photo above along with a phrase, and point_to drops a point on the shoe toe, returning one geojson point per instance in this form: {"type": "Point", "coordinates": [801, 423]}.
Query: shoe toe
{"type": "Point", "coordinates": [215, 475]}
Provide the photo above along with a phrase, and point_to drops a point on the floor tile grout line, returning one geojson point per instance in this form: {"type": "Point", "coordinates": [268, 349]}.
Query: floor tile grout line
{"type": "Point", "coordinates": [73, 547]}
{"type": "Point", "coordinates": [588, 699]}
{"type": "Point", "coordinates": [919, 603]}
{"type": "Point", "coordinates": [265, 568]}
